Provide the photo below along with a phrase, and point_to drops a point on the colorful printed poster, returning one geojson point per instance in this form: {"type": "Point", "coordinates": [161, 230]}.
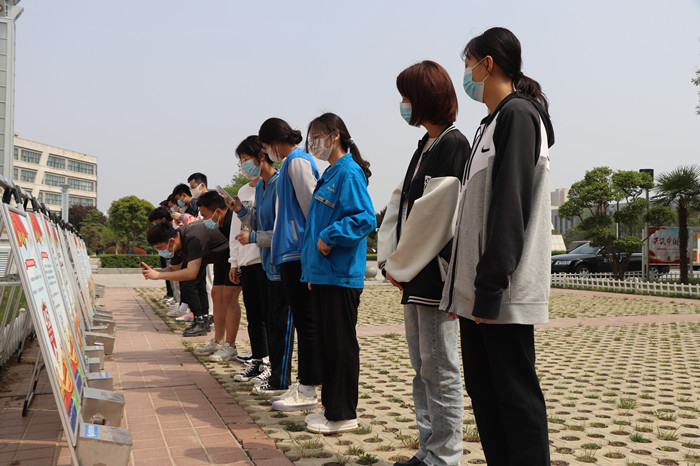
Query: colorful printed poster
{"type": "Point", "coordinates": [69, 292]}
{"type": "Point", "coordinates": [664, 246]}
{"type": "Point", "coordinates": [41, 242]}
{"type": "Point", "coordinates": [46, 324]}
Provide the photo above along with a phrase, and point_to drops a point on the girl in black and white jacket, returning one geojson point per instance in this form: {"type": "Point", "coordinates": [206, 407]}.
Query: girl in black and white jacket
{"type": "Point", "coordinates": [498, 280]}
{"type": "Point", "coordinates": [414, 250]}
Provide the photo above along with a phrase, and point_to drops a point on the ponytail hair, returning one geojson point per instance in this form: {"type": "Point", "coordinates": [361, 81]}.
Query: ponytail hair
{"type": "Point", "coordinates": [278, 130]}
{"type": "Point", "coordinates": [502, 45]}
{"type": "Point", "coordinates": [329, 122]}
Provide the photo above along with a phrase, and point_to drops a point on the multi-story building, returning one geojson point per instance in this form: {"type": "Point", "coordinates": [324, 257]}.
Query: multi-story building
{"type": "Point", "coordinates": [43, 170]}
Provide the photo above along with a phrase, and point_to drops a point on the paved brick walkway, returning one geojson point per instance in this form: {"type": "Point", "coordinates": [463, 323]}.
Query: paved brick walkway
{"type": "Point", "coordinates": [177, 413]}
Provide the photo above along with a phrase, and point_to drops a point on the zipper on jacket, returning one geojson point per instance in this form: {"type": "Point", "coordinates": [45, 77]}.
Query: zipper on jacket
{"type": "Point", "coordinates": [294, 231]}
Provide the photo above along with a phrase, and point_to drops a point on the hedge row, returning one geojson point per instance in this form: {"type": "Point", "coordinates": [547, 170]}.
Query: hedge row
{"type": "Point", "coordinates": [126, 261]}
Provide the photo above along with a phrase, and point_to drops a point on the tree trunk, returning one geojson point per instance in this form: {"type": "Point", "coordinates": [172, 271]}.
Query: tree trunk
{"type": "Point", "coordinates": [683, 240]}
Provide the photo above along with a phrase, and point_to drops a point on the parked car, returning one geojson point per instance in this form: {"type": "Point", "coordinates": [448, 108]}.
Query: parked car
{"type": "Point", "coordinates": [586, 259]}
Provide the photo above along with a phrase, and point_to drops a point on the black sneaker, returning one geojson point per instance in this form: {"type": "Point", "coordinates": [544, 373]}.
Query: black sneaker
{"type": "Point", "coordinates": [198, 328]}
{"type": "Point", "coordinates": [253, 369]}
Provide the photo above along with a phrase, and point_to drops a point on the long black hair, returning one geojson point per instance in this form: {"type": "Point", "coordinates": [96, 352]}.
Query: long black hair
{"type": "Point", "coordinates": [251, 146]}
{"type": "Point", "coordinates": [331, 122]}
{"type": "Point", "coordinates": [502, 45]}
{"type": "Point", "coordinates": [278, 130]}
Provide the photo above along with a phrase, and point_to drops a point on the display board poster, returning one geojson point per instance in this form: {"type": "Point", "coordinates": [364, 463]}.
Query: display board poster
{"type": "Point", "coordinates": [46, 324]}
{"type": "Point", "coordinates": [70, 335]}
{"type": "Point", "coordinates": [664, 246]}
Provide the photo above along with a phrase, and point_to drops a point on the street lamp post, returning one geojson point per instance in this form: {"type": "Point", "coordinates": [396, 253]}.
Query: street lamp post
{"type": "Point", "coordinates": [9, 12]}
{"type": "Point", "coordinates": [645, 266]}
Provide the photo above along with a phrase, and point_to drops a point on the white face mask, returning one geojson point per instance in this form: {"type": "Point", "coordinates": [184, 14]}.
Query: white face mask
{"type": "Point", "coordinates": [319, 150]}
{"type": "Point", "coordinates": [273, 154]}
{"type": "Point", "coordinates": [196, 191]}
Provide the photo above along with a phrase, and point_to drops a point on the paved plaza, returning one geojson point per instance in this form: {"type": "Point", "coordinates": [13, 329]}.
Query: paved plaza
{"type": "Point", "coordinates": [621, 375]}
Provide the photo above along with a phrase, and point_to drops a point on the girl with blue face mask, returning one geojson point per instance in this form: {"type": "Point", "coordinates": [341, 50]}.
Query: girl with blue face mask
{"type": "Point", "coordinates": [413, 250]}
{"type": "Point", "coordinates": [269, 316]}
{"type": "Point", "coordinates": [498, 280]}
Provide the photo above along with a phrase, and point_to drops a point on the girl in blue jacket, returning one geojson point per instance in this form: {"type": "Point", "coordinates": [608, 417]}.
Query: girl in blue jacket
{"type": "Point", "coordinates": [333, 259]}
{"type": "Point", "coordinates": [295, 185]}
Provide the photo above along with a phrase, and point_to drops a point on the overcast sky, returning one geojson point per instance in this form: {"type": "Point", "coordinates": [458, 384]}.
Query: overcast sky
{"type": "Point", "coordinates": [159, 89]}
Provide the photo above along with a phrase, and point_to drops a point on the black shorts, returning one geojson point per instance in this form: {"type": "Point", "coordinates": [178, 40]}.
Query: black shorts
{"type": "Point", "coordinates": [221, 275]}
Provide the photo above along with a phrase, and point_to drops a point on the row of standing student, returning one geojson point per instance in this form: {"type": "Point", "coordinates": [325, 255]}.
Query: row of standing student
{"type": "Point", "coordinates": [466, 237]}
{"type": "Point", "coordinates": [312, 237]}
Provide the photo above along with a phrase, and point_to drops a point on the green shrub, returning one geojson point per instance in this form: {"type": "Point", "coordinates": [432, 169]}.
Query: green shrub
{"type": "Point", "coordinates": [127, 261]}
{"type": "Point", "coordinates": [371, 256]}
{"type": "Point", "coordinates": [555, 253]}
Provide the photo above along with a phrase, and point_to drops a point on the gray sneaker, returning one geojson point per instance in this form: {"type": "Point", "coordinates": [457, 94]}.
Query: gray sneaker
{"type": "Point", "coordinates": [224, 353]}
{"type": "Point", "coordinates": [208, 349]}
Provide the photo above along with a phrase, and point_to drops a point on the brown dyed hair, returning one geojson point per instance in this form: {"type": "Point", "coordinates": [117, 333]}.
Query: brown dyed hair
{"type": "Point", "coordinates": [429, 89]}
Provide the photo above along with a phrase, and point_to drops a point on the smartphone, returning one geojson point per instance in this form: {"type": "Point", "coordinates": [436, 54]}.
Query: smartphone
{"type": "Point", "coordinates": [138, 258]}
{"type": "Point", "coordinates": [224, 193]}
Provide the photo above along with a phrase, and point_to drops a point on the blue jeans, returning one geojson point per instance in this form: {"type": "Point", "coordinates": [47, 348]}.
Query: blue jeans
{"type": "Point", "coordinates": [437, 386]}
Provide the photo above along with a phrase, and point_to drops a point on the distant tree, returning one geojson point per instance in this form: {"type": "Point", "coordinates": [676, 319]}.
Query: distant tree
{"type": "Point", "coordinates": [95, 232]}
{"type": "Point", "coordinates": [128, 218]}
{"type": "Point", "coordinates": [680, 189]}
{"type": "Point", "coordinates": [590, 200]}
{"type": "Point", "coordinates": [77, 214]}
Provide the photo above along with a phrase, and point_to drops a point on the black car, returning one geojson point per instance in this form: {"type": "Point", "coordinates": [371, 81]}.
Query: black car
{"type": "Point", "coordinates": [586, 259]}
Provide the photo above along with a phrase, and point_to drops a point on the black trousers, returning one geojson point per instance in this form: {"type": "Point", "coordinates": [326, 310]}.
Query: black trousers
{"type": "Point", "coordinates": [299, 298]}
{"type": "Point", "coordinates": [509, 408]}
{"type": "Point", "coordinates": [194, 293]}
{"type": "Point", "coordinates": [168, 286]}
{"type": "Point", "coordinates": [336, 318]}
{"type": "Point", "coordinates": [253, 280]}
{"type": "Point", "coordinates": [280, 335]}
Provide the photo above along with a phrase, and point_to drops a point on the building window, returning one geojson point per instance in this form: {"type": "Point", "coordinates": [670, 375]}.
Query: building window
{"type": "Point", "coordinates": [30, 156]}
{"type": "Point", "coordinates": [54, 180]}
{"type": "Point", "coordinates": [81, 167]}
{"type": "Point", "coordinates": [16, 152]}
{"type": "Point", "coordinates": [52, 198]}
{"type": "Point", "coordinates": [15, 174]}
{"type": "Point", "coordinates": [41, 196]}
{"type": "Point", "coordinates": [81, 185]}
{"type": "Point", "coordinates": [28, 176]}
{"type": "Point", "coordinates": [56, 162]}
{"type": "Point", "coordinates": [80, 201]}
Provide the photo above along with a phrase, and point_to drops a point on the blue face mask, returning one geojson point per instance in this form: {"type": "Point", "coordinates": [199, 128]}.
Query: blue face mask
{"type": "Point", "coordinates": [173, 209]}
{"type": "Point", "coordinates": [473, 89]}
{"type": "Point", "coordinates": [211, 223]}
{"type": "Point", "coordinates": [405, 108]}
{"type": "Point", "coordinates": [251, 169]}
{"type": "Point", "coordinates": [180, 203]}
{"type": "Point", "coordinates": [165, 254]}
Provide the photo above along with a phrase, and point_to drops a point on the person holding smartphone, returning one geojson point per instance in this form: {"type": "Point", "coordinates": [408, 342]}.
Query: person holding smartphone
{"type": "Point", "coordinates": [190, 249]}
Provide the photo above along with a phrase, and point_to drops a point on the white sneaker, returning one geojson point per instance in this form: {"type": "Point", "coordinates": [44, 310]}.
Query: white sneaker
{"type": "Point", "coordinates": [290, 392]}
{"type": "Point", "coordinates": [265, 373]}
{"type": "Point", "coordinates": [224, 353]}
{"type": "Point", "coordinates": [315, 417]}
{"type": "Point", "coordinates": [265, 389]}
{"type": "Point", "coordinates": [208, 349]}
{"type": "Point", "coordinates": [297, 401]}
{"type": "Point", "coordinates": [324, 426]}
{"type": "Point", "coordinates": [174, 312]}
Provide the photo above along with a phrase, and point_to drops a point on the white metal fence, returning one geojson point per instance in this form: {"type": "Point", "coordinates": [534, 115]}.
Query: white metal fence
{"type": "Point", "coordinates": [631, 284]}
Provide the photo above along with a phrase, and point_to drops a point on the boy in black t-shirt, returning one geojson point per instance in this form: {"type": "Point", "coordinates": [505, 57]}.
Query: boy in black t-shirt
{"type": "Point", "coordinates": [224, 292]}
{"type": "Point", "coordinates": [196, 245]}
